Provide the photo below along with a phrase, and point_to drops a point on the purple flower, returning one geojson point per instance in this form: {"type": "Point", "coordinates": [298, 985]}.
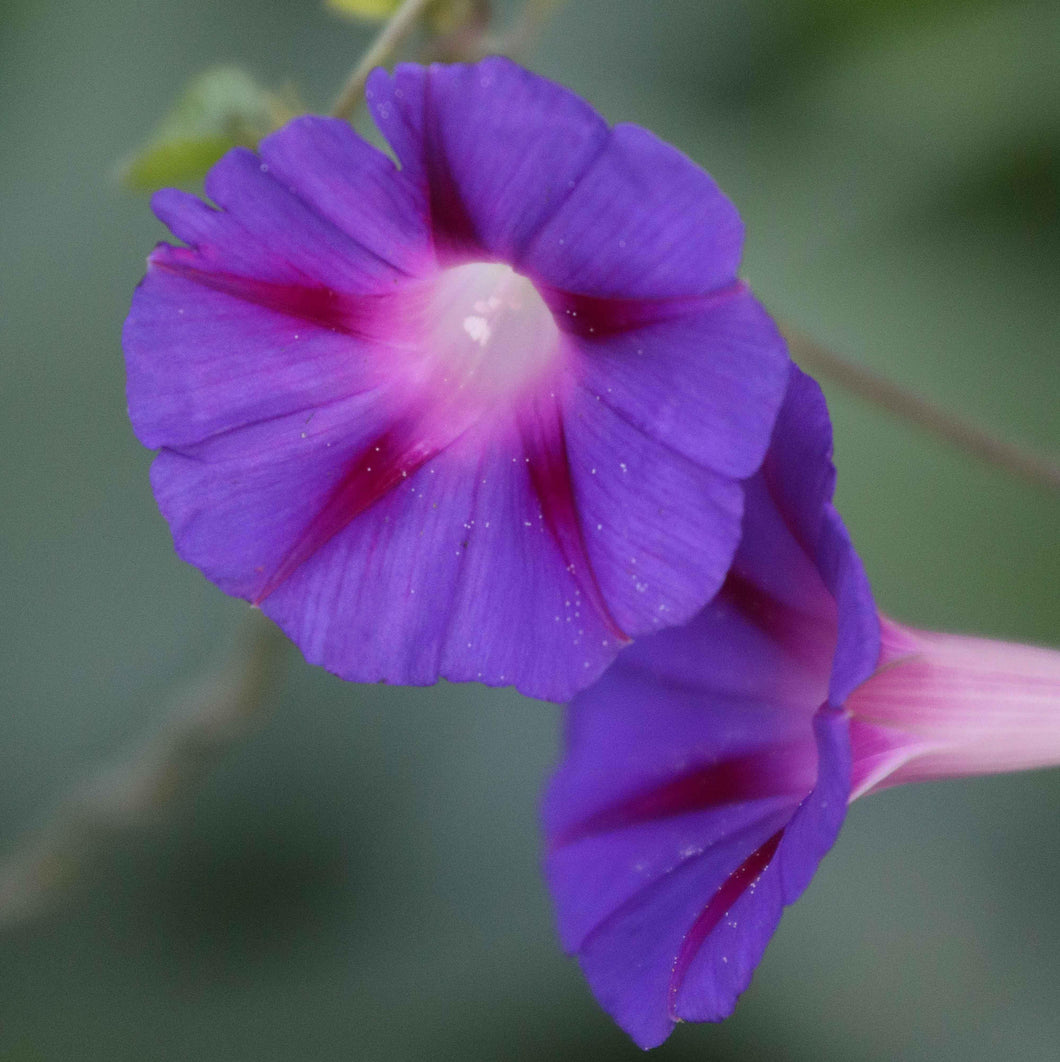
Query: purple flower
{"type": "Point", "coordinates": [486, 416]}
{"type": "Point", "coordinates": [708, 772]}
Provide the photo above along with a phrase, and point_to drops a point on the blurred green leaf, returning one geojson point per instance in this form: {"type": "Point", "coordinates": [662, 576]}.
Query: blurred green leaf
{"type": "Point", "coordinates": [220, 109]}
{"type": "Point", "coordinates": [369, 10]}
{"type": "Point", "coordinates": [174, 162]}
{"type": "Point", "coordinates": [443, 15]}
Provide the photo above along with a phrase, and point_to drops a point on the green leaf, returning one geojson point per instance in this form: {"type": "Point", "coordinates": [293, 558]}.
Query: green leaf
{"type": "Point", "coordinates": [220, 109]}
{"type": "Point", "coordinates": [443, 15]}
{"type": "Point", "coordinates": [368, 10]}
{"type": "Point", "coordinates": [173, 162]}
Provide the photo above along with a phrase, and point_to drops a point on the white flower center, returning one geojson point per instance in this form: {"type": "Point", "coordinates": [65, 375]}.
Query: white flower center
{"type": "Point", "coordinates": [489, 330]}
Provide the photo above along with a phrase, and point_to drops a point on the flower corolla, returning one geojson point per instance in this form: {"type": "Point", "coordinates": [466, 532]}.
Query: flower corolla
{"type": "Point", "coordinates": [708, 772]}
{"type": "Point", "coordinates": [485, 414]}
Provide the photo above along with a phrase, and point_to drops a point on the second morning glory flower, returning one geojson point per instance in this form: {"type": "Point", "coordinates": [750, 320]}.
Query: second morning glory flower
{"type": "Point", "coordinates": [482, 415]}
{"type": "Point", "coordinates": [708, 772]}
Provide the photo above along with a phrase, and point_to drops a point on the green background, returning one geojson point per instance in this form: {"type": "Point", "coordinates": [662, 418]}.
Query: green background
{"type": "Point", "coordinates": [359, 878]}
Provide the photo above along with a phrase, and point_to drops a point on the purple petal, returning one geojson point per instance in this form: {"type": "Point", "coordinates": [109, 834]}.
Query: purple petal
{"type": "Point", "coordinates": [659, 529]}
{"type": "Point", "coordinates": [202, 360]}
{"type": "Point", "coordinates": [522, 168]}
{"type": "Point", "coordinates": [717, 961]}
{"type": "Point", "coordinates": [857, 650]}
{"type": "Point", "coordinates": [691, 754]}
{"type": "Point", "coordinates": [800, 476]}
{"type": "Point", "coordinates": [386, 556]}
{"type": "Point", "coordinates": [494, 148]}
{"type": "Point", "coordinates": [237, 502]}
{"type": "Point", "coordinates": [380, 465]}
{"type": "Point", "coordinates": [798, 468]}
{"type": "Point", "coordinates": [714, 713]}
{"type": "Point", "coordinates": [630, 958]}
{"type": "Point", "coordinates": [264, 313]}
{"type": "Point", "coordinates": [720, 688]}
{"type": "Point", "coordinates": [642, 222]}
{"type": "Point", "coordinates": [455, 572]}
{"type": "Point", "coordinates": [670, 913]}
{"type": "Point", "coordinates": [702, 783]}
{"type": "Point", "coordinates": [352, 185]}
{"type": "Point", "coordinates": [266, 230]}
{"type": "Point", "coordinates": [706, 382]}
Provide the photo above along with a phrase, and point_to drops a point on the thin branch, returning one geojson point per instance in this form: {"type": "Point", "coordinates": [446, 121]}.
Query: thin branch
{"type": "Point", "coordinates": [463, 42]}
{"type": "Point", "coordinates": [904, 403]}
{"type": "Point", "coordinates": [382, 48]}
{"type": "Point", "coordinates": [204, 724]}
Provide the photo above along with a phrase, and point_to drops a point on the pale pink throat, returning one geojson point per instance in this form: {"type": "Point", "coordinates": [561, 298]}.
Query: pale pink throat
{"type": "Point", "coordinates": [946, 706]}
{"type": "Point", "coordinates": [473, 348]}
{"type": "Point", "coordinates": [487, 335]}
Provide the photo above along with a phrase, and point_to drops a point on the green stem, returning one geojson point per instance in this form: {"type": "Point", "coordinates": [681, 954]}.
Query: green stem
{"type": "Point", "coordinates": [390, 38]}
{"type": "Point", "coordinates": [204, 723]}
{"type": "Point", "coordinates": [904, 403]}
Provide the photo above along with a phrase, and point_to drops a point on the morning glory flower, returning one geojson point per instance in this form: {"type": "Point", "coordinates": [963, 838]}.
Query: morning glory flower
{"type": "Point", "coordinates": [708, 772]}
{"type": "Point", "coordinates": [484, 414]}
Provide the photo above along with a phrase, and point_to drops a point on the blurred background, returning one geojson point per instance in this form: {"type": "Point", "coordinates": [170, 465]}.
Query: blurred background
{"type": "Point", "coordinates": [358, 878]}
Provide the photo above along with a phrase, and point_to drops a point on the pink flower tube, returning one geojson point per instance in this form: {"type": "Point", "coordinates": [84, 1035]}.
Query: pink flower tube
{"type": "Point", "coordinates": [947, 706]}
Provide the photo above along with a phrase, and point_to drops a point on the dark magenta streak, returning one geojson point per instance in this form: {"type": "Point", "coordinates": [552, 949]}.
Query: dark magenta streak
{"type": "Point", "coordinates": [549, 467]}
{"type": "Point", "coordinates": [769, 615]}
{"type": "Point", "coordinates": [699, 789]}
{"type": "Point", "coordinates": [382, 465]}
{"type": "Point", "coordinates": [312, 303]}
{"type": "Point", "coordinates": [731, 890]}
{"type": "Point", "coordinates": [454, 231]}
{"type": "Point", "coordinates": [594, 317]}
{"type": "Point", "coordinates": [806, 636]}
